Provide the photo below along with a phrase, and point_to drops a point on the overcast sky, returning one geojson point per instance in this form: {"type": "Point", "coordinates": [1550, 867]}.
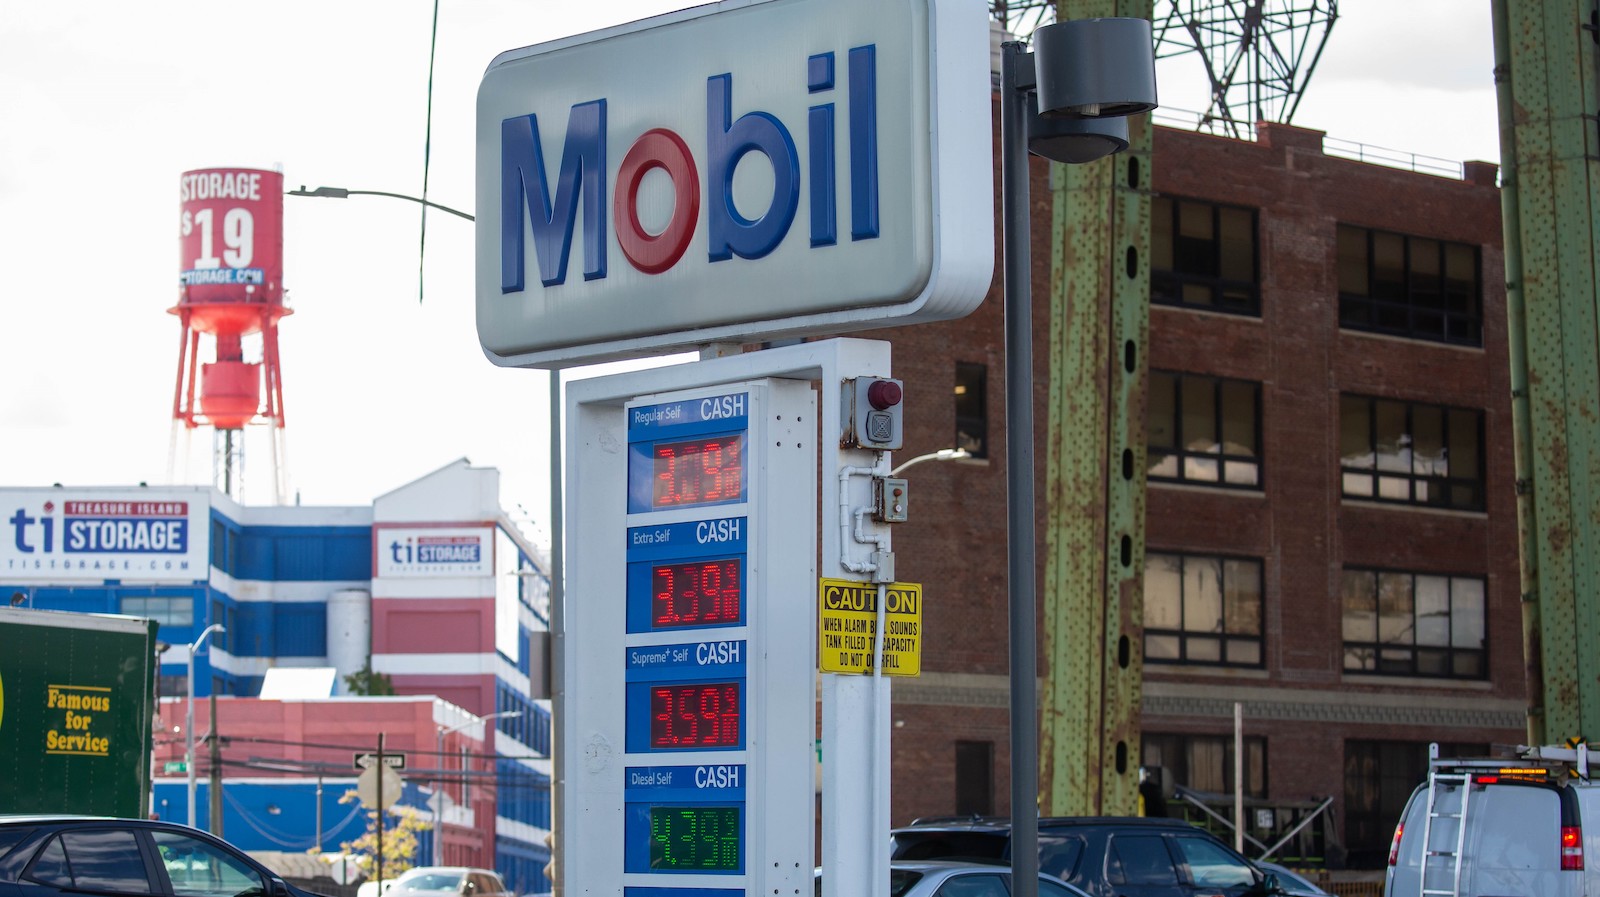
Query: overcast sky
{"type": "Point", "coordinates": [105, 103]}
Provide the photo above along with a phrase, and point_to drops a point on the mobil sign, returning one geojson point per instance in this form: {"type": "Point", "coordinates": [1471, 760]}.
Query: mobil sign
{"type": "Point", "coordinates": [734, 172]}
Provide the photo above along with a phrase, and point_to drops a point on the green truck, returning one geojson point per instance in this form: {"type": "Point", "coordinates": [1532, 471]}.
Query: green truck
{"type": "Point", "coordinates": [77, 697]}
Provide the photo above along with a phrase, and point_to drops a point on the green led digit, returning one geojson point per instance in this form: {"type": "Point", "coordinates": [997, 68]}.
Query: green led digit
{"type": "Point", "coordinates": [684, 838]}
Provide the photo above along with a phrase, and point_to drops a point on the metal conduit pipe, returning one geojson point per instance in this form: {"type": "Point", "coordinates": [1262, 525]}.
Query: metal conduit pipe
{"type": "Point", "coordinates": [845, 473]}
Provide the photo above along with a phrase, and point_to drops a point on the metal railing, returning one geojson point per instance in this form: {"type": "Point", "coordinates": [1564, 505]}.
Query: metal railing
{"type": "Point", "coordinates": [1189, 120]}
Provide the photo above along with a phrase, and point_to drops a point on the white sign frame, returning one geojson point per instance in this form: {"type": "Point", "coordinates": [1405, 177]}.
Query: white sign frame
{"type": "Point", "coordinates": [855, 718]}
{"type": "Point", "coordinates": [928, 254]}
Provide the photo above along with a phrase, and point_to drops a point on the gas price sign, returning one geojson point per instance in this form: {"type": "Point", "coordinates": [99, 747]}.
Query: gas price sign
{"type": "Point", "coordinates": [685, 819]}
{"type": "Point", "coordinates": [704, 682]}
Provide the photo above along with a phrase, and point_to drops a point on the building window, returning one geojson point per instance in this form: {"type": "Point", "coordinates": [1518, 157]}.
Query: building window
{"type": "Point", "coordinates": [1378, 779]}
{"type": "Point", "coordinates": [1205, 762]}
{"type": "Point", "coordinates": [1202, 610]}
{"type": "Point", "coordinates": [1414, 624]}
{"type": "Point", "coordinates": [972, 408]}
{"type": "Point", "coordinates": [166, 611]}
{"type": "Point", "coordinates": [1203, 255]}
{"type": "Point", "coordinates": [1411, 453]}
{"type": "Point", "coordinates": [1409, 286]}
{"type": "Point", "coordinates": [172, 686]}
{"type": "Point", "coordinates": [974, 778]}
{"type": "Point", "coordinates": [1204, 430]}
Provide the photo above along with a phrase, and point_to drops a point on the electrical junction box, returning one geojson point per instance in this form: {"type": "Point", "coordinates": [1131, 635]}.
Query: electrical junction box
{"type": "Point", "coordinates": [892, 499]}
{"type": "Point", "coordinates": [690, 715]}
{"type": "Point", "coordinates": [874, 414]}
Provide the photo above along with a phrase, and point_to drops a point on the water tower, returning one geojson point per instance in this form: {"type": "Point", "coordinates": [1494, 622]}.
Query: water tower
{"type": "Point", "coordinates": [230, 289]}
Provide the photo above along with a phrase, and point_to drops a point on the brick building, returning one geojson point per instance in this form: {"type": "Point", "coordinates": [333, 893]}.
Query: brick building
{"type": "Point", "coordinates": [1331, 537]}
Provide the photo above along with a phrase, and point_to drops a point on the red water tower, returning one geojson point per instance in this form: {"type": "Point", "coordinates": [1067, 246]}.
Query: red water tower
{"type": "Point", "coordinates": [230, 287]}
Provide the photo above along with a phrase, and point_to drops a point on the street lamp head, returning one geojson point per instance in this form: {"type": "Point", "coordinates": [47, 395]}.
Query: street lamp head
{"type": "Point", "coordinates": [1074, 140]}
{"type": "Point", "coordinates": [326, 192]}
{"type": "Point", "coordinates": [1093, 68]}
{"type": "Point", "coordinates": [214, 627]}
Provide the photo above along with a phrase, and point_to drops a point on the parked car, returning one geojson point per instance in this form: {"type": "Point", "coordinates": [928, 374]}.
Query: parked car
{"type": "Point", "coordinates": [1105, 856]}
{"type": "Point", "coordinates": [45, 856]}
{"type": "Point", "coordinates": [1499, 827]}
{"type": "Point", "coordinates": [1292, 882]}
{"type": "Point", "coordinates": [448, 881]}
{"type": "Point", "coordinates": [948, 878]}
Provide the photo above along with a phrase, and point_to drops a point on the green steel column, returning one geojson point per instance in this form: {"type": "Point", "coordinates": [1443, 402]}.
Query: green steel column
{"type": "Point", "coordinates": [1094, 493]}
{"type": "Point", "coordinates": [1547, 53]}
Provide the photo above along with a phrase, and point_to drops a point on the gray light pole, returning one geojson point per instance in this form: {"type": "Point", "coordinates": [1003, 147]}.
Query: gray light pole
{"type": "Point", "coordinates": [1066, 102]}
{"type": "Point", "coordinates": [343, 193]}
{"type": "Point", "coordinates": [438, 795]}
{"type": "Point", "coordinates": [188, 719]}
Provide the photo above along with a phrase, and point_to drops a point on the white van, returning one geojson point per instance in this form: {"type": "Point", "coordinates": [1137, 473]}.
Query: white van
{"type": "Point", "coordinates": [1509, 827]}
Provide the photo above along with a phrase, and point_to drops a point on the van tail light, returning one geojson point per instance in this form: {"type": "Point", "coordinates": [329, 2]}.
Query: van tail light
{"type": "Point", "coordinates": [1394, 846]}
{"type": "Point", "coordinates": [1571, 848]}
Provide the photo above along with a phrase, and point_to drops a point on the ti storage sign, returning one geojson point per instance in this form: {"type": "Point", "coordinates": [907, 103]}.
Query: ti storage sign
{"type": "Point", "coordinates": [144, 535]}
{"type": "Point", "coordinates": [422, 551]}
{"type": "Point", "coordinates": [735, 171]}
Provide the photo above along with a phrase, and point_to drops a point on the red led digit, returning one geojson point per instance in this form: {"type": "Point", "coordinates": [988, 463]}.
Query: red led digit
{"type": "Point", "coordinates": [711, 465]}
{"type": "Point", "coordinates": [665, 475]}
{"type": "Point", "coordinates": [695, 716]}
{"type": "Point", "coordinates": [686, 723]}
{"type": "Point", "coordinates": [700, 471]}
{"type": "Point", "coordinates": [698, 593]}
{"type": "Point", "coordinates": [660, 715]}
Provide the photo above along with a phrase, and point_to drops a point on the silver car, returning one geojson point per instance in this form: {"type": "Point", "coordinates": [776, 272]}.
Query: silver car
{"type": "Point", "coordinates": [448, 881]}
{"type": "Point", "coordinates": [949, 878]}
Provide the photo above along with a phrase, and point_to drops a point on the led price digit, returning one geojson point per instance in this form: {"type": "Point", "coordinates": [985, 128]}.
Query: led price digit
{"type": "Point", "coordinates": [692, 839]}
{"type": "Point", "coordinates": [698, 471]}
{"type": "Point", "coordinates": [700, 593]}
{"type": "Point", "coordinates": [695, 716]}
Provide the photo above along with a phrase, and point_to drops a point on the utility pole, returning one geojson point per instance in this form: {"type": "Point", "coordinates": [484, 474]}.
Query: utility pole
{"type": "Point", "coordinates": [378, 861]}
{"type": "Point", "coordinates": [1545, 77]}
{"type": "Point", "coordinates": [1094, 569]}
{"type": "Point", "coordinates": [215, 786]}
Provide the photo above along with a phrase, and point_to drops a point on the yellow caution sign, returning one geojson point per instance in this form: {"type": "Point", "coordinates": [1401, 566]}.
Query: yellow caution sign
{"type": "Point", "coordinates": [847, 623]}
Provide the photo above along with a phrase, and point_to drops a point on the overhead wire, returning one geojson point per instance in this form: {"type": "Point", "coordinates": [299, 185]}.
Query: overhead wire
{"type": "Point", "coordinates": [427, 152]}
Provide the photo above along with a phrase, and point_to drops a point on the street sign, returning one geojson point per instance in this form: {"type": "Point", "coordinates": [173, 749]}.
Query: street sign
{"type": "Point", "coordinates": [733, 172]}
{"type": "Point", "coordinates": [367, 786]}
{"type": "Point", "coordinates": [172, 766]}
{"type": "Point", "coordinates": [848, 620]}
{"type": "Point", "coordinates": [369, 759]}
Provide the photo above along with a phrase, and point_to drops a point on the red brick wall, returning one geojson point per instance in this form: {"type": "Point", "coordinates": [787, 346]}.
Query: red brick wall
{"type": "Point", "coordinates": [1298, 525]}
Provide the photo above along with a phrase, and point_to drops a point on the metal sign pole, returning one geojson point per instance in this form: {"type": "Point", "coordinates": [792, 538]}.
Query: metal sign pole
{"type": "Point", "coordinates": [1019, 478]}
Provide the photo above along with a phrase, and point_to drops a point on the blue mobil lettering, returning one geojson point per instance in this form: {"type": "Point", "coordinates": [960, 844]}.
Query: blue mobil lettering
{"type": "Point", "coordinates": [525, 187]}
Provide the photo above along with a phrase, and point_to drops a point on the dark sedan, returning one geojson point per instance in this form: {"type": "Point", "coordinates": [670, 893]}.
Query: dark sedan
{"type": "Point", "coordinates": [46, 856]}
